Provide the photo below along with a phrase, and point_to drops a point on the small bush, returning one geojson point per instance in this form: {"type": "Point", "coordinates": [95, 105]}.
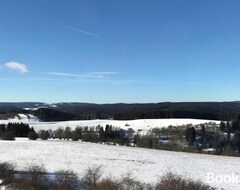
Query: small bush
{"type": "Point", "coordinates": [6, 172]}
{"type": "Point", "coordinates": [67, 133]}
{"type": "Point", "coordinates": [108, 184]}
{"type": "Point", "coordinates": [33, 179]}
{"type": "Point", "coordinates": [176, 182]}
{"type": "Point", "coordinates": [21, 183]}
{"type": "Point", "coordinates": [36, 173]}
{"type": "Point", "coordinates": [66, 180]}
{"type": "Point", "coordinates": [128, 182]}
{"type": "Point", "coordinates": [90, 136]}
{"type": "Point", "coordinates": [77, 134]}
{"type": "Point", "coordinates": [44, 135]}
{"type": "Point", "coordinates": [58, 133]}
{"type": "Point", "coordinates": [32, 136]}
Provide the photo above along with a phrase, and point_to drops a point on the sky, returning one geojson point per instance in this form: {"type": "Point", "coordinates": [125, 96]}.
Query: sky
{"type": "Point", "coordinates": [109, 51]}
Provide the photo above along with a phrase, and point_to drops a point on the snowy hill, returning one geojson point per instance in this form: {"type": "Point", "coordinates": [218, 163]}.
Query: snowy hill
{"type": "Point", "coordinates": [140, 124]}
{"type": "Point", "coordinates": [121, 111]}
{"type": "Point", "coordinates": [145, 164]}
{"type": "Point", "coordinates": [21, 118]}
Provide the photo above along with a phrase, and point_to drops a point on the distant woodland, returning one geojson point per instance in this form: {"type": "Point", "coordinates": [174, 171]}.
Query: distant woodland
{"type": "Point", "coordinates": [84, 111]}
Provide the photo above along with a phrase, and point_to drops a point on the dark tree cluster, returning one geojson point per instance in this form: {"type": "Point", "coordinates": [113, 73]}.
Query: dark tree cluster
{"type": "Point", "coordinates": [227, 141]}
{"type": "Point", "coordinates": [87, 134]}
{"type": "Point", "coordinates": [109, 134]}
{"type": "Point", "coordinates": [67, 133]}
{"type": "Point", "coordinates": [12, 130]}
{"type": "Point", "coordinates": [64, 111]}
{"type": "Point", "coordinates": [145, 141]}
{"type": "Point", "coordinates": [230, 127]}
{"type": "Point", "coordinates": [198, 110]}
{"type": "Point", "coordinates": [44, 134]}
{"type": "Point", "coordinates": [46, 114]}
{"type": "Point", "coordinates": [115, 135]}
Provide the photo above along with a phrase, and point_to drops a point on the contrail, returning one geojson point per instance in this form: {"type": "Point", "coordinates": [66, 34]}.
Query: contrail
{"type": "Point", "coordinates": [78, 30]}
{"type": "Point", "coordinates": [74, 75]}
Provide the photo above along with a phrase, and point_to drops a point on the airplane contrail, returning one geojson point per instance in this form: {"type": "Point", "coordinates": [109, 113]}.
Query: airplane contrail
{"type": "Point", "coordinates": [78, 30]}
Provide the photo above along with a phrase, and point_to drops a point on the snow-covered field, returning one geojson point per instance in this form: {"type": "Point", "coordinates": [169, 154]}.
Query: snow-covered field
{"type": "Point", "coordinates": [142, 124]}
{"type": "Point", "coordinates": [145, 164]}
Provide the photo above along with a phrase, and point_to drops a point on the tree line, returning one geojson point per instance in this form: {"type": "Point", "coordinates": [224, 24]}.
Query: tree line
{"type": "Point", "coordinates": [99, 134]}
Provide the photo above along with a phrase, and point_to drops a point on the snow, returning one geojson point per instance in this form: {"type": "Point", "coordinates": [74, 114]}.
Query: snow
{"type": "Point", "coordinates": [208, 150]}
{"type": "Point", "coordinates": [32, 109]}
{"type": "Point", "coordinates": [146, 165]}
{"type": "Point", "coordinates": [139, 124]}
{"type": "Point", "coordinates": [24, 118]}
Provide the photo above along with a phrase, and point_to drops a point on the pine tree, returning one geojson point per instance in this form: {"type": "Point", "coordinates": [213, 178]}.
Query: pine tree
{"type": "Point", "coordinates": [101, 134]}
{"type": "Point", "coordinates": [222, 126]}
{"type": "Point", "coordinates": [203, 131]}
{"type": "Point", "coordinates": [237, 140]}
{"type": "Point", "coordinates": [190, 135]}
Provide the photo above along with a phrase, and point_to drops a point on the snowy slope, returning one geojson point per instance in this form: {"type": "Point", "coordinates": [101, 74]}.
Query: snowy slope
{"type": "Point", "coordinates": [145, 164]}
{"type": "Point", "coordinates": [142, 124]}
{"type": "Point", "coordinates": [24, 118]}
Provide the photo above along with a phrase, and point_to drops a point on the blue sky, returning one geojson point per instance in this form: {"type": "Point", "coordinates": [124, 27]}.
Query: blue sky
{"type": "Point", "coordinates": [119, 51]}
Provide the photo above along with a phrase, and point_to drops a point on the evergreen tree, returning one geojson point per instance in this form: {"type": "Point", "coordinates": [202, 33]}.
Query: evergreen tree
{"type": "Point", "coordinates": [203, 131]}
{"type": "Point", "coordinates": [237, 140]}
{"type": "Point", "coordinates": [2, 129]}
{"type": "Point", "coordinates": [106, 132]}
{"type": "Point", "coordinates": [101, 134]}
{"type": "Point", "coordinates": [228, 127]}
{"type": "Point", "coordinates": [235, 125]}
{"type": "Point", "coordinates": [190, 135]}
{"type": "Point", "coordinates": [222, 126]}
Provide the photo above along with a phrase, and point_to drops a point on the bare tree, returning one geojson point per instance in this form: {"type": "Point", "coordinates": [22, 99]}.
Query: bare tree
{"type": "Point", "coordinates": [92, 177]}
{"type": "Point", "coordinates": [6, 172]}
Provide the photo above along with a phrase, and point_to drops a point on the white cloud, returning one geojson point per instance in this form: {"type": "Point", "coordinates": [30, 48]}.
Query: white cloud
{"type": "Point", "coordinates": [14, 66]}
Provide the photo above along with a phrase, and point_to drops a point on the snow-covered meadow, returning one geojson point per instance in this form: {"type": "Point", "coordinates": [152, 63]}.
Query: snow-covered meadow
{"type": "Point", "coordinates": [139, 124]}
{"type": "Point", "coordinates": [145, 164]}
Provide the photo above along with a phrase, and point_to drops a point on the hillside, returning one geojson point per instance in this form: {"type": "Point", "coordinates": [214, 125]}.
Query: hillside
{"type": "Point", "coordinates": [144, 164]}
{"type": "Point", "coordinates": [88, 111]}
